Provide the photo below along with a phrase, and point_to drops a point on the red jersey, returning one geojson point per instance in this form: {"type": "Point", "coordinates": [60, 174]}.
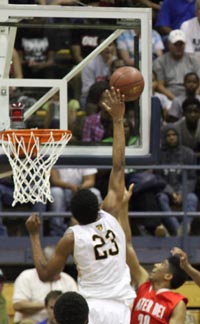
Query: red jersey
{"type": "Point", "coordinates": [154, 307]}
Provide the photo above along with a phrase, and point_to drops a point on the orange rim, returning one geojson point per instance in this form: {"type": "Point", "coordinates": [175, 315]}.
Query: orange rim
{"type": "Point", "coordinates": [42, 134]}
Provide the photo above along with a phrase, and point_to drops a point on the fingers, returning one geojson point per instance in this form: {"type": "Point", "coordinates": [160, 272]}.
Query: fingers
{"type": "Point", "coordinates": [179, 252]}
{"type": "Point", "coordinates": [130, 189]}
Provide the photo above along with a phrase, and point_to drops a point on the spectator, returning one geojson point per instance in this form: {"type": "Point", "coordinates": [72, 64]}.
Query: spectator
{"type": "Point", "coordinates": [164, 101]}
{"type": "Point", "coordinates": [6, 200]}
{"type": "Point", "coordinates": [71, 308]}
{"type": "Point", "coordinates": [64, 184]}
{"type": "Point", "coordinates": [84, 41]}
{"type": "Point", "coordinates": [30, 292]}
{"type": "Point", "coordinates": [116, 64]}
{"type": "Point", "coordinates": [52, 109]}
{"type": "Point", "coordinates": [3, 309]}
{"type": "Point", "coordinates": [49, 303]}
{"type": "Point", "coordinates": [173, 13]}
{"type": "Point", "coordinates": [95, 95]}
{"type": "Point", "coordinates": [98, 242]}
{"type": "Point", "coordinates": [125, 46]}
{"type": "Point", "coordinates": [191, 84]}
{"type": "Point", "coordinates": [173, 65]}
{"type": "Point", "coordinates": [146, 187]}
{"type": "Point", "coordinates": [36, 50]}
{"type": "Point", "coordinates": [98, 125]}
{"type": "Point", "coordinates": [97, 69]}
{"type": "Point", "coordinates": [173, 153]}
{"type": "Point", "coordinates": [191, 28]}
{"type": "Point", "coordinates": [189, 126]}
{"type": "Point", "coordinates": [156, 302]}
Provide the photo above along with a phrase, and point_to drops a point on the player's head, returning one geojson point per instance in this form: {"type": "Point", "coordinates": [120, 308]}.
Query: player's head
{"type": "Point", "coordinates": [85, 206]}
{"type": "Point", "coordinates": [71, 308]}
{"type": "Point", "coordinates": [168, 273]}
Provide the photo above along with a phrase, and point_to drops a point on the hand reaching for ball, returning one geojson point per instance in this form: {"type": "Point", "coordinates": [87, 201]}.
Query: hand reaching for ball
{"type": "Point", "coordinates": [114, 103]}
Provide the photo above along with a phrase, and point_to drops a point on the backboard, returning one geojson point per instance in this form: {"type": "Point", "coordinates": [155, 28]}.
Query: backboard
{"type": "Point", "coordinates": [116, 20]}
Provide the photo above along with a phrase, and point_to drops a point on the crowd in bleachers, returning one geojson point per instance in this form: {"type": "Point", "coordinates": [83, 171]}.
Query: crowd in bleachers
{"type": "Point", "coordinates": [175, 82]}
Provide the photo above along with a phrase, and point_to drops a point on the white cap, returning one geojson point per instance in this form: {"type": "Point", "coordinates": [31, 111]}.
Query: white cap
{"type": "Point", "coordinates": [176, 35]}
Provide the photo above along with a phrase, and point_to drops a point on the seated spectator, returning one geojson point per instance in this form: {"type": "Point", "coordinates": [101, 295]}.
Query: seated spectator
{"type": "Point", "coordinates": [116, 64]}
{"type": "Point", "coordinates": [94, 97]}
{"type": "Point", "coordinates": [171, 67]}
{"type": "Point", "coordinates": [52, 110]}
{"type": "Point", "coordinates": [30, 292]}
{"type": "Point", "coordinates": [64, 183]}
{"type": "Point", "coordinates": [189, 126]}
{"type": "Point", "coordinates": [146, 187]}
{"type": "Point", "coordinates": [173, 13]}
{"type": "Point", "coordinates": [98, 125]}
{"type": "Point", "coordinates": [36, 50]}
{"type": "Point", "coordinates": [191, 84]}
{"type": "Point", "coordinates": [4, 319]}
{"type": "Point", "coordinates": [49, 303]}
{"type": "Point", "coordinates": [84, 41]}
{"type": "Point", "coordinates": [97, 69]}
{"type": "Point", "coordinates": [71, 308]}
{"type": "Point", "coordinates": [6, 200]}
{"type": "Point", "coordinates": [164, 101]}
{"type": "Point", "coordinates": [125, 46]}
{"type": "Point", "coordinates": [192, 33]}
{"type": "Point", "coordinates": [173, 153]}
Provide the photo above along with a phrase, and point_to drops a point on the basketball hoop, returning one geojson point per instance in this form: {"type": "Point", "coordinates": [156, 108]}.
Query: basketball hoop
{"type": "Point", "coordinates": [32, 154]}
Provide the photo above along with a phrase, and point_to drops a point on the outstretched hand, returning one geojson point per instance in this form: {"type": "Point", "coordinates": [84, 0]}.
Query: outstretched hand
{"type": "Point", "coordinates": [33, 224]}
{"type": "Point", "coordinates": [114, 103]}
{"type": "Point", "coordinates": [183, 257]}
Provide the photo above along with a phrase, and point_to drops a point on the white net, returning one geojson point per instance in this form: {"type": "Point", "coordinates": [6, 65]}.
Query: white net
{"type": "Point", "coordinates": [31, 161]}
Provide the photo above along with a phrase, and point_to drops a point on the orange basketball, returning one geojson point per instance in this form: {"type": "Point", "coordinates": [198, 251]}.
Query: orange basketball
{"type": "Point", "coordinates": [129, 81]}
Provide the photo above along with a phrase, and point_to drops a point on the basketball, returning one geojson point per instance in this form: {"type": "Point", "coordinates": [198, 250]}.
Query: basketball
{"type": "Point", "coordinates": [129, 81]}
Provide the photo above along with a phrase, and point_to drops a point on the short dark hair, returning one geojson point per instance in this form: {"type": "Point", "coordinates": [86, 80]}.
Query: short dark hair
{"type": "Point", "coordinates": [71, 308]}
{"type": "Point", "coordinates": [190, 101]}
{"type": "Point", "coordinates": [187, 75]}
{"type": "Point", "coordinates": [54, 294]}
{"type": "Point", "coordinates": [96, 90]}
{"type": "Point", "coordinates": [179, 275]}
{"type": "Point", "coordinates": [85, 206]}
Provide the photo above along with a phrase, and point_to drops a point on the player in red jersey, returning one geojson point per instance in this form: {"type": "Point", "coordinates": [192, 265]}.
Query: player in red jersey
{"type": "Point", "coordinates": [155, 302]}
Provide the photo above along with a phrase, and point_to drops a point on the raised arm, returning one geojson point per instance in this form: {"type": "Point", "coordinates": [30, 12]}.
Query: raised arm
{"type": "Point", "coordinates": [47, 270]}
{"type": "Point", "coordinates": [138, 273]}
{"type": "Point", "coordinates": [114, 104]}
{"type": "Point", "coordinates": [193, 273]}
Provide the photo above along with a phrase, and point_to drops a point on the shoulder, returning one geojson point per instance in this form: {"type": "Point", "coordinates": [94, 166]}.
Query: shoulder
{"type": "Point", "coordinates": [66, 277]}
{"type": "Point", "coordinates": [27, 274]}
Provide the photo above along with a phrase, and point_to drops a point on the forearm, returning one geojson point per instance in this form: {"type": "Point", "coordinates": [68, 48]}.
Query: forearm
{"type": "Point", "coordinates": [87, 184]}
{"type": "Point", "coordinates": [165, 91]}
{"type": "Point", "coordinates": [193, 273]}
{"type": "Point", "coordinates": [28, 307]}
{"type": "Point", "coordinates": [118, 156]}
{"type": "Point", "coordinates": [38, 256]}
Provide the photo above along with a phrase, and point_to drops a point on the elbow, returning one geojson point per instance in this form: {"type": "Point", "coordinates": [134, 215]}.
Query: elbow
{"type": "Point", "coordinates": [45, 277]}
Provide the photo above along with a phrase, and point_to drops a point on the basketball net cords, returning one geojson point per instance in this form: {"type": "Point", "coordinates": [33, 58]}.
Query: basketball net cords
{"type": "Point", "coordinates": [31, 176]}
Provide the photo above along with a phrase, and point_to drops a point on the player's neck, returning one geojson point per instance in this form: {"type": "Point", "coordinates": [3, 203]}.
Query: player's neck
{"type": "Point", "coordinates": [159, 285]}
